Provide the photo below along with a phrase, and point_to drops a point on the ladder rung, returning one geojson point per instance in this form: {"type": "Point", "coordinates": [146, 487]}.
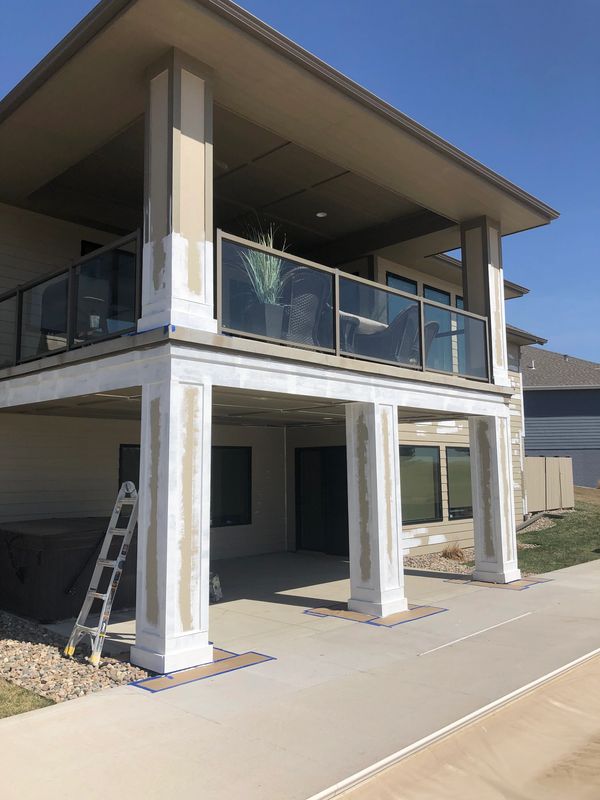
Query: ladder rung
{"type": "Point", "coordinates": [106, 562]}
{"type": "Point", "coordinates": [97, 595]}
{"type": "Point", "coordinates": [117, 531]}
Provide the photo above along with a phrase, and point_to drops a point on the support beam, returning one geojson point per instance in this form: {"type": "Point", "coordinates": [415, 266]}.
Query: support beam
{"type": "Point", "coordinates": [483, 288]}
{"type": "Point", "coordinates": [374, 510]}
{"type": "Point", "coordinates": [493, 502]}
{"type": "Point", "coordinates": [174, 527]}
{"type": "Point", "coordinates": [177, 279]}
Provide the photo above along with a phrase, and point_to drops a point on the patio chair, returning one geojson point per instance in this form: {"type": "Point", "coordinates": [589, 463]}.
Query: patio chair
{"type": "Point", "coordinates": [307, 292]}
{"type": "Point", "coordinates": [394, 343]}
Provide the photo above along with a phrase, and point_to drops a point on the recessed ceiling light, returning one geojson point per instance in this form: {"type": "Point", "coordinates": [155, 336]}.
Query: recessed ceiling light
{"type": "Point", "coordinates": [321, 214]}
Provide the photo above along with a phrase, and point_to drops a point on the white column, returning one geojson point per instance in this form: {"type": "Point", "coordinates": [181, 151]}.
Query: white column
{"type": "Point", "coordinates": [374, 510]}
{"type": "Point", "coordinates": [177, 262]}
{"type": "Point", "coordinates": [483, 287]}
{"type": "Point", "coordinates": [174, 527]}
{"type": "Point", "coordinates": [493, 500]}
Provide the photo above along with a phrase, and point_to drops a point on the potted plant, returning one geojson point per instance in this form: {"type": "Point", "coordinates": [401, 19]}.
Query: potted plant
{"type": "Point", "coordinates": [265, 271]}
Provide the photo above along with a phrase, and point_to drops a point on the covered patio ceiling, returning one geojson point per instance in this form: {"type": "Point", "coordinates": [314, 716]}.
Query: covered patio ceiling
{"type": "Point", "coordinates": [237, 407]}
{"type": "Point", "coordinates": [260, 178]}
{"type": "Point", "coordinates": [321, 138]}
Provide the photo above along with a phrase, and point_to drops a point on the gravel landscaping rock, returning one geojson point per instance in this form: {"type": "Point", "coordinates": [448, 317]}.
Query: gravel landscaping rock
{"type": "Point", "coordinates": [436, 562]}
{"type": "Point", "coordinates": [31, 657]}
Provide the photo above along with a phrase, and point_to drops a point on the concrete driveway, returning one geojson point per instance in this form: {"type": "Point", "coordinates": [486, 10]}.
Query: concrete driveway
{"type": "Point", "coordinates": [339, 696]}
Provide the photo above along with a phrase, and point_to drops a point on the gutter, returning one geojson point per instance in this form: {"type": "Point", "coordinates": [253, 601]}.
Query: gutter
{"type": "Point", "coordinates": [108, 10]}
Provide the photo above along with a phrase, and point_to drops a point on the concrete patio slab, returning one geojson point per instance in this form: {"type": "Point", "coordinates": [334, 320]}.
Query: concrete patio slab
{"type": "Point", "coordinates": [340, 696]}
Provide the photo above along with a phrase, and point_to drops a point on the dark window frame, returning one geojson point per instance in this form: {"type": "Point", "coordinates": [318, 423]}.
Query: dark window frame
{"type": "Point", "coordinates": [451, 517]}
{"type": "Point", "coordinates": [219, 523]}
{"type": "Point", "coordinates": [389, 275]}
{"type": "Point", "coordinates": [427, 286]}
{"type": "Point", "coordinates": [122, 447]}
{"type": "Point", "coordinates": [438, 485]}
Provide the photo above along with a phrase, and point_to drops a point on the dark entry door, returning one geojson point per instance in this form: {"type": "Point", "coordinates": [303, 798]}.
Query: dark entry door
{"type": "Point", "coordinates": [322, 500]}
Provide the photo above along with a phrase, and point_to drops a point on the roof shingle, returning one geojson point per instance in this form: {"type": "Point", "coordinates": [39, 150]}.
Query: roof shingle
{"type": "Point", "coordinates": [544, 368]}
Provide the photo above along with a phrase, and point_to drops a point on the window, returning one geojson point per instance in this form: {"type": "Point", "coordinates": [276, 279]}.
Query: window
{"type": "Point", "coordinates": [458, 463]}
{"type": "Point", "coordinates": [231, 486]}
{"type": "Point", "coordinates": [402, 284]}
{"type": "Point", "coordinates": [437, 295]}
{"type": "Point", "coordinates": [460, 302]}
{"type": "Point", "coordinates": [129, 464]}
{"type": "Point", "coordinates": [420, 484]}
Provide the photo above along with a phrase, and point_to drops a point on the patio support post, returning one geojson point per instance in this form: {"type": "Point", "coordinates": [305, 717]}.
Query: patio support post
{"type": "Point", "coordinates": [374, 510]}
{"type": "Point", "coordinates": [493, 503]}
{"type": "Point", "coordinates": [174, 527]}
{"type": "Point", "coordinates": [483, 288]}
{"type": "Point", "coordinates": [178, 260]}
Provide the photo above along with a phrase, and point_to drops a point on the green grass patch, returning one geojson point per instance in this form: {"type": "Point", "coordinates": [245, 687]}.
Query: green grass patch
{"type": "Point", "coordinates": [14, 700]}
{"type": "Point", "coordinates": [573, 540]}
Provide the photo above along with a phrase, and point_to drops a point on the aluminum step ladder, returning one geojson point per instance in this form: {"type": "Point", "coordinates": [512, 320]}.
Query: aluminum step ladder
{"type": "Point", "coordinates": [126, 499]}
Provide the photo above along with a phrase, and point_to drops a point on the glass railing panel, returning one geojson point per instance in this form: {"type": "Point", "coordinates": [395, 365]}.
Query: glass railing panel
{"type": "Point", "coordinates": [8, 330]}
{"type": "Point", "coordinates": [44, 317]}
{"type": "Point", "coordinates": [105, 296]}
{"type": "Point", "coordinates": [454, 342]}
{"type": "Point", "coordinates": [269, 296]}
{"type": "Point", "coordinates": [378, 324]}
{"type": "Point", "coordinates": [472, 351]}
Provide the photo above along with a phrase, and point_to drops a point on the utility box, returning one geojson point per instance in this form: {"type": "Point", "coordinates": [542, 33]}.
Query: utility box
{"type": "Point", "coordinates": [46, 566]}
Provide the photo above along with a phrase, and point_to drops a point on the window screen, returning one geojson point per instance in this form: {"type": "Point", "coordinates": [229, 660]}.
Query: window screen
{"type": "Point", "coordinates": [420, 484]}
{"type": "Point", "coordinates": [460, 503]}
{"type": "Point", "coordinates": [231, 486]}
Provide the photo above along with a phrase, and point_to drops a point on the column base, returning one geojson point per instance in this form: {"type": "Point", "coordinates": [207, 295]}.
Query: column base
{"type": "Point", "coordinates": [171, 662]}
{"type": "Point", "coordinates": [382, 609]}
{"type": "Point", "coordinates": [507, 576]}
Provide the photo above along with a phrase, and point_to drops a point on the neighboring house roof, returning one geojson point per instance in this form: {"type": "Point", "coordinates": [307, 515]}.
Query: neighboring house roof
{"type": "Point", "coordinates": [543, 369]}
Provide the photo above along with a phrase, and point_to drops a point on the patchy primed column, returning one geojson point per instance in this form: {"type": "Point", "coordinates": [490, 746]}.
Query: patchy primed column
{"type": "Point", "coordinates": [374, 510]}
{"type": "Point", "coordinates": [174, 527]}
{"type": "Point", "coordinates": [483, 287]}
{"type": "Point", "coordinates": [177, 274]}
{"type": "Point", "coordinates": [493, 503]}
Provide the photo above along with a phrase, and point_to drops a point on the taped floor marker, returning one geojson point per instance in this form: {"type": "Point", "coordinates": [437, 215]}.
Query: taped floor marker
{"type": "Point", "coordinates": [225, 661]}
{"type": "Point", "coordinates": [341, 611]}
{"type": "Point", "coordinates": [515, 586]}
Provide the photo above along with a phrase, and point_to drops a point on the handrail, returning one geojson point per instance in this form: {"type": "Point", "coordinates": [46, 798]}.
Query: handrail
{"type": "Point", "coordinates": [69, 272]}
{"type": "Point", "coordinates": [338, 275]}
{"type": "Point", "coordinates": [333, 270]}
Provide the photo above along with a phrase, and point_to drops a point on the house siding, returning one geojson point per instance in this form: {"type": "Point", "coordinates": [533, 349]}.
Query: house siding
{"type": "Point", "coordinates": [566, 423]}
{"type": "Point", "coordinates": [33, 245]}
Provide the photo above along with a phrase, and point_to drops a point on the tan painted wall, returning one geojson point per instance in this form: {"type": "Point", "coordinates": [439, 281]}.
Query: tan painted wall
{"type": "Point", "coordinates": [33, 245]}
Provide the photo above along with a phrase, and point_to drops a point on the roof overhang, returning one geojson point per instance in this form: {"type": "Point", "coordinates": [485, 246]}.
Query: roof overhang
{"type": "Point", "coordinates": [523, 338]}
{"type": "Point", "coordinates": [93, 84]}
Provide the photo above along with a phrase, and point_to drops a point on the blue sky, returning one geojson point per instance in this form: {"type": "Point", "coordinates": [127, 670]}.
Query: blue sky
{"type": "Point", "coordinates": [516, 85]}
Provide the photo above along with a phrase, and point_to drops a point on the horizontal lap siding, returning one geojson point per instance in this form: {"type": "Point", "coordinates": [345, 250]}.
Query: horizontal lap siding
{"type": "Point", "coordinates": [435, 536]}
{"type": "Point", "coordinates": [516, 437]}
{"type": "Point", "coordinates": [33, 245]}
{"type": "Point", "coordinates": [60, 466]}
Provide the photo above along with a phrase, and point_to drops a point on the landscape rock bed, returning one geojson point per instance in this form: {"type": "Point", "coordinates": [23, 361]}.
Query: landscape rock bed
{"type": "Point", "coordinates": [436, 562]}
{"type": "Point", "coordinates": [31, 657]}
